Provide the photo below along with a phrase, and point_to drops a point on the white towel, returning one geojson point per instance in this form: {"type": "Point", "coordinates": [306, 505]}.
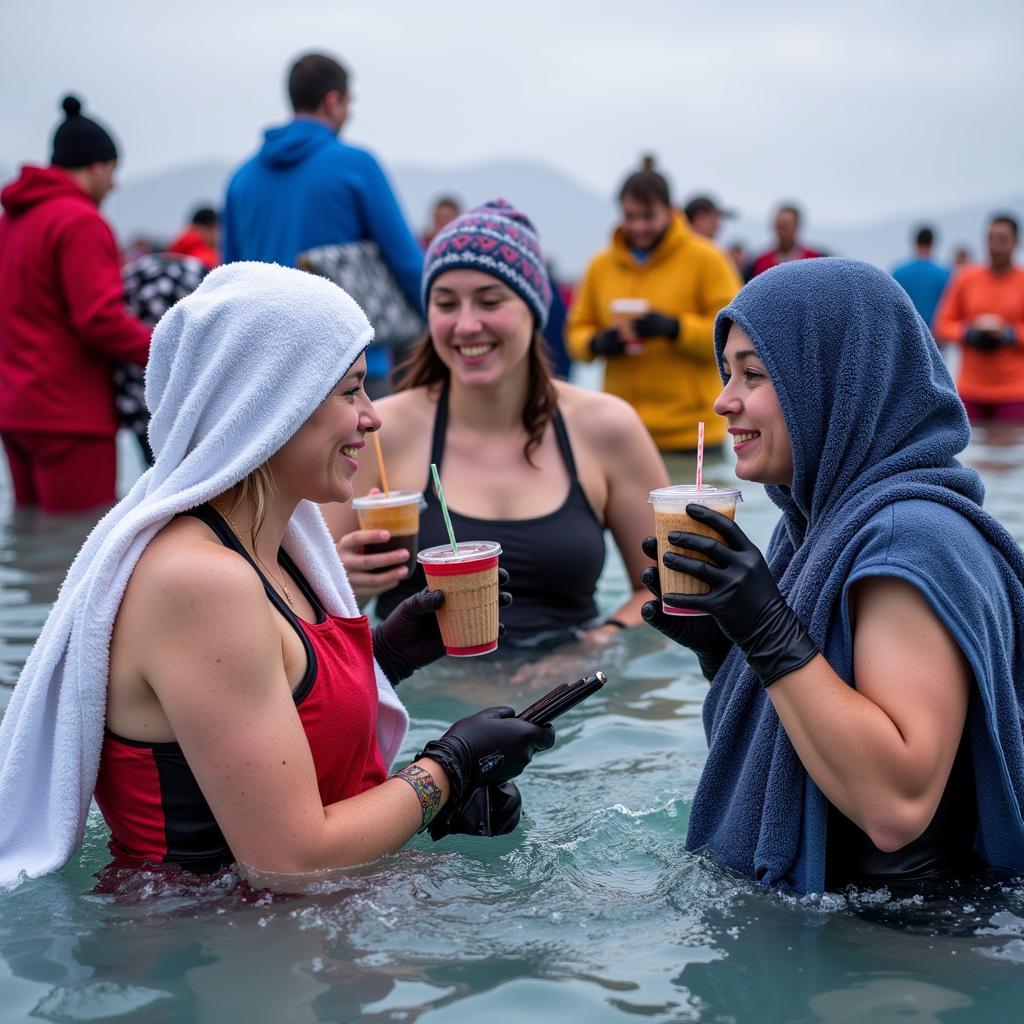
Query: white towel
{"type": "Point", "coordinates": [234, 371]}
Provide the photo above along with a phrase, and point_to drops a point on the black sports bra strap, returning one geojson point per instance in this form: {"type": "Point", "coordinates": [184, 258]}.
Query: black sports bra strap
{"type": "Point", "coordinates": [216, 522]}
{"type": "Point", "coordinates": [440, 429]}
{"type": "Point", "coordinates": [562, 436]}
{"type": "Point", "coordinates": [224, 532]}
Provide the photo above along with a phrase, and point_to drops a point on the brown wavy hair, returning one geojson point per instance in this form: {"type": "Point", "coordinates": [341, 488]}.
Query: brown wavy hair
{"type": "Point", "coordinates": [423, 367]}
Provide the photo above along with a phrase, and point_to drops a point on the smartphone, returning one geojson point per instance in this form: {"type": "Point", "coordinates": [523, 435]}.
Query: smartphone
{"type": "Point", "coordinates": [562, 698]}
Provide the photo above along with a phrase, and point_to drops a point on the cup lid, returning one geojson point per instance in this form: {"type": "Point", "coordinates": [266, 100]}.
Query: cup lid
{"type": "Point", "coordinates": [679, 494]}
{"type": "Point", "coordinates": [629, 305]}
{"type": "Point", "coordinates": [388, 500]}
{"type": "Point", "coordinates": [467, 551]}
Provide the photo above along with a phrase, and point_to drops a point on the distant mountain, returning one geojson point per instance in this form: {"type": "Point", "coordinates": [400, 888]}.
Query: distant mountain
{"type": "Point", "coordinates": [573, 221]}
{"type": "Point", "coordinates": [158, 205]}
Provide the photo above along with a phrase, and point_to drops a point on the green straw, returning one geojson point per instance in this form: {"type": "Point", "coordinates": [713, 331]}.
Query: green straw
{"type": "Point", "coordinates": [444, 507]}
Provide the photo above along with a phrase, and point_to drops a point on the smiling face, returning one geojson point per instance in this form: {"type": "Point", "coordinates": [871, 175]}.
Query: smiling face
{"type": "Point", "coordinates": [320, 459]}
{"type": "Point", "coordinates": [480, 328]}
{"type": "Point", "coordinates": [748, 401]}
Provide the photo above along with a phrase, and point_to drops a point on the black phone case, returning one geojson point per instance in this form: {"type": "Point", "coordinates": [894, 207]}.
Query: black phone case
{"type": "Point", "coordinates": [562, 698]}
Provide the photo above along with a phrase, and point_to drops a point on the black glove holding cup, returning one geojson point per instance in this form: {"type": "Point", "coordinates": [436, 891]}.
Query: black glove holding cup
{"type": "Point", "coordinates": [700, 633]}
{"type": "Point", "coordinates": [607, 343]}
{"type": "Point", "coordinates": [409, 638]}
{"type": "Point", "coordinates": [744, 599]}
{"type": "Point", "coordinates": [656, 325]}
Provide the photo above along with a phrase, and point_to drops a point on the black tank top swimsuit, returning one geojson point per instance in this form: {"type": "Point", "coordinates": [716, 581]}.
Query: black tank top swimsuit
{"type": "Point", "coordinates": [943, 851]}
{"type": "Point", "coordinates": [152, 802]}
{"type": "Point", "coordinates": [553, 561]}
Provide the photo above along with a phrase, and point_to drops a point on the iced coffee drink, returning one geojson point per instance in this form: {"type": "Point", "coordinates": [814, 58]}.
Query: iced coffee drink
{"type": "Point", "coordinates": [669, 517]}
{"type": "Point", "coordinates": [397, 512]}
{"type": "Point", "coordinates": [624, 312]}
{"type": "Point", "coordinates": [468, 578]}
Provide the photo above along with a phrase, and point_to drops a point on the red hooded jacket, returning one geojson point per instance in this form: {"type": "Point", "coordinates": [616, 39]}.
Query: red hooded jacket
{"type": "Point", "coordinates": [191, 243]}
{"type": "Point", "coordinates": [62, 316]}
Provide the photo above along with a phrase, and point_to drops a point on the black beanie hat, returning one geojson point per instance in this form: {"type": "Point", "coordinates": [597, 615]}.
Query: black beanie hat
{"type": "Point", "coordinates": [79, 140]}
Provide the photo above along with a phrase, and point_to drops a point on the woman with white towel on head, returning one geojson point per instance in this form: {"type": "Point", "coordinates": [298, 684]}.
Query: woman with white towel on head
{"type": "Point", "coordinates": [206, 669]}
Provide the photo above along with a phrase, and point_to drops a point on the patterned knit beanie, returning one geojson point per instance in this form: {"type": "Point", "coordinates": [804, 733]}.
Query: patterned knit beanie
{"type": "Point", "coordinates": [499, 240]}
{"type": "Point", "coordinates": [80, 141]}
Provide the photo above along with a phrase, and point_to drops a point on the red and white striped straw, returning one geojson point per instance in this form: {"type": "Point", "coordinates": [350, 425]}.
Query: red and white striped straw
{"type": "Point", "coordinates": [700, 453]}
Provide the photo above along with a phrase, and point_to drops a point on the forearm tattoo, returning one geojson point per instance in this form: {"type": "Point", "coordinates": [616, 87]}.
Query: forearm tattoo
{"type": "Point", "coordinates": [426, 790]}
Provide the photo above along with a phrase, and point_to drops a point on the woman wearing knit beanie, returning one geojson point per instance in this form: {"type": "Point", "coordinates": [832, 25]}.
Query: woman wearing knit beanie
{"type": "Point", "coordinates": [534, 463]}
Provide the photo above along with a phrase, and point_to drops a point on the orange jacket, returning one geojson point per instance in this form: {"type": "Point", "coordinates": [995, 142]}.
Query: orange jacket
{"type": "Point", "coordinates": [976, 291]}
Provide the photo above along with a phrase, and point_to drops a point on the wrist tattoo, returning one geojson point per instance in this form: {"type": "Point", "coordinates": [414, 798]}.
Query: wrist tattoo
{"type": "Point", "coordinates": [426, 789]}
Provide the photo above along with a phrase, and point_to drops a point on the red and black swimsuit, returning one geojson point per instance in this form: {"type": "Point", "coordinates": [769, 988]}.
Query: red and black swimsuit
{"type": "Point", "coordinates": [147, 793]}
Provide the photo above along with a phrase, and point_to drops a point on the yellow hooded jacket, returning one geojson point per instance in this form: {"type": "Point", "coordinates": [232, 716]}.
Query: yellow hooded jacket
{"type": "Point", "coordinates": [671, 384]}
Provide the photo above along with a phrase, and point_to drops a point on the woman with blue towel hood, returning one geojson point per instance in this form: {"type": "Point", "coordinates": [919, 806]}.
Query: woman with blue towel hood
{"type": "Point", "coordinates": [867, 674]}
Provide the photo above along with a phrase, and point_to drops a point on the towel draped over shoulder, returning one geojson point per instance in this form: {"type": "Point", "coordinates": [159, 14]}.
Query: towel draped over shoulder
{"type": "Point", "coordinates": [875, 425]}
{"type": "Point", "coordinates": [235, 369]}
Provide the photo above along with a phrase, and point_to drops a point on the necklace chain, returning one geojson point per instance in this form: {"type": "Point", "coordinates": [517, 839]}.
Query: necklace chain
{"type": "Point", "coordinates": [259, 561]}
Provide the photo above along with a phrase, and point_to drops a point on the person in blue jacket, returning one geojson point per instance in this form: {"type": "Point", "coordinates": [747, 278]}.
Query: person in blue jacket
{"type": "Point", "coordinates": [305, 188]}
{"type": "Point", "coordinates": [922, 278]}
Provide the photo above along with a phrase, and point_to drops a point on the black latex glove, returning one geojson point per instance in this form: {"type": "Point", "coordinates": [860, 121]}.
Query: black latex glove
{"type": "Point", "coordinates": [983, 341]}
{"type": "Point", "coordinates": [486, 749]}
{"type": "Point", "coordinates": [701, 633]}
{"type": "Point", "coordinates": [656, 325]}
{"type": "Point", "coordinates": [607, 343]}
{"type": "Point", "coordinates": [410, 637]}
{"type": "Point", "coordinates": [489, 811]}
{"type": "Point", "coordinates": [744, 598]}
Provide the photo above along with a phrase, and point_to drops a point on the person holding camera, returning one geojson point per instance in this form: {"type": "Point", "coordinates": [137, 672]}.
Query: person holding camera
{"type": "Point", "coordinates": [983, 311]}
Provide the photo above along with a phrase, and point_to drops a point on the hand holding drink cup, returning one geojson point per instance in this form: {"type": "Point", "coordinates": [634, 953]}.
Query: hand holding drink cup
{"type": "Point", "coordinates": [391, 521]}
{"type": "Point", "coordinates": [677, 511]}
{"type": "Point", "coordinates": [467, 574]}
{"type": "Point", "coordinates": [624, 312]}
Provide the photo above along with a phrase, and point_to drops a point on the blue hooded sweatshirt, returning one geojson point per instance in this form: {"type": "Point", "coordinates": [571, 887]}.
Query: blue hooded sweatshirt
{"type": "Point", "coordinates": [875, 426]}
{"type": "Point", "coordinates": [306, 188]}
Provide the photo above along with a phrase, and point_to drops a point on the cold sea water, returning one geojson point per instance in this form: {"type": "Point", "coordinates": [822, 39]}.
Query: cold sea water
{"type": "Point", "coordinates": [590, 912]}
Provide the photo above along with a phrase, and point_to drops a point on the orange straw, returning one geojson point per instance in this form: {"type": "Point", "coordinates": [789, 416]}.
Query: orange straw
{"type": "Point", "coordinates": [380, 462]}
{"type": "Point", "coordinates": [700, 453]}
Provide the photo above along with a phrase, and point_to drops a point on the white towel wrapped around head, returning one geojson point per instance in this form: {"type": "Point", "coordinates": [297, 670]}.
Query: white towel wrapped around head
{"type": "Point", "coordinates": [235, 369]}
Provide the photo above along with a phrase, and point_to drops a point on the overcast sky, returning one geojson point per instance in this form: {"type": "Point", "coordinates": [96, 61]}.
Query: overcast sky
{"type": "Point", "coordinates": [856, 110]}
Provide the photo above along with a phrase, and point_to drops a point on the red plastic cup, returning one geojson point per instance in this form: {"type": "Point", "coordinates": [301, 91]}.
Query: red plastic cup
{"type": "Point", "coordinates": [468, 578]}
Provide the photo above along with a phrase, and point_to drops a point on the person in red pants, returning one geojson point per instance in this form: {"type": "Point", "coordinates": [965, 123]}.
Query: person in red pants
{"type": "Point", "coordinates": [63, 323]}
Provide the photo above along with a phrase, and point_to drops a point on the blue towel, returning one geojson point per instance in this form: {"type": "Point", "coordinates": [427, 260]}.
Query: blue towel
{"type": "Point", "coordinates": [875, 425]}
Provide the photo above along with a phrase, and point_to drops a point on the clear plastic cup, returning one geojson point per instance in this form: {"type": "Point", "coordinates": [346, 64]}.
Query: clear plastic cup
{"type": "Point", "coordinates": [669, 516]}
{"type": "Point", "coordinates": [624, 312]}
{"type": "Point", "coordinates": [398, 512]}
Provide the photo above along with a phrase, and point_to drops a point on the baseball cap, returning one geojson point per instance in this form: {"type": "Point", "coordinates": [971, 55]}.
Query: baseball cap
{"type": "Point", "coordinates": [705, 204]}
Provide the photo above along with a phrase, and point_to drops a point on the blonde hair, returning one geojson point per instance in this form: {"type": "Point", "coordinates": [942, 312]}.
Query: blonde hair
{"type": "Point", "coordinates": [255, 490]}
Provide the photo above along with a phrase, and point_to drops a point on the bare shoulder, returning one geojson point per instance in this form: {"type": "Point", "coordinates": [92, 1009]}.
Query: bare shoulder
{"type": "Point", "coordinates": [599, 419]}
{"type": "Point", "coordinates": [406, 413]}
{"type": "Point", "coordinates": [185, 576]}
